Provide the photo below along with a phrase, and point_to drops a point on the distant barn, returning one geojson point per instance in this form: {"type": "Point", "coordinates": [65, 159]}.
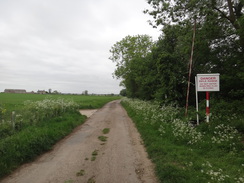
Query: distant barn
{"type": "Point", "coordinates": [41, 92]}
{"type": "Point", "coordinates": [14, 91]}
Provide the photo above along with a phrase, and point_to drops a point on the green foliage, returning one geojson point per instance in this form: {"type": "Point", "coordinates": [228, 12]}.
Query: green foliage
{"type": "Point", "coordinates": [127, 52]}
{"type": "Point", "coordinates": [80, 173]}
{"type": "Point", "coordinates": [95, 153]}
{"type": "Point", "coordinates": [160, 70]}
{"type": "Point", "coordinates": [229, 113]}
{"type": "Point", "coordinates": [103, 138]}
{"type": "Point", "coordinates": [123, 92]}
{"type": "Point", "coordinates": [219, 44]}
{"type": "Point", "coordinates": [186, 153]}
{"type": "Point", "coordinates": [129, 55]}
{"type": "Point", "coordinates": [2, 112]}
{"type": "Point", "coordinates": [106, 130]}
{"type": "Point", "coordinates": [228, 13]}
{"type": "Point", "coordinates": [170, 65]}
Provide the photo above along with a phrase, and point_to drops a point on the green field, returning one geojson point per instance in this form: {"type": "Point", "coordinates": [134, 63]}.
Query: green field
{"type": "Point", "coordinates": [37, 123]}
{"type": "Point", "coordinates": [15, 101]}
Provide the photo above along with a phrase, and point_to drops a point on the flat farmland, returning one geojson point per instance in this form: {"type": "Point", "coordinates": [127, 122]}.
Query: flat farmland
{"type": "Point", "coordinates": [15, 101]}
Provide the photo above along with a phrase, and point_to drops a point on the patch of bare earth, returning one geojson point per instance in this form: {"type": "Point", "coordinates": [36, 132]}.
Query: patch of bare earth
{"type": "Point", "coordinates": [88, 112]}
{"type": "Point", "coordinates": [83, 157]}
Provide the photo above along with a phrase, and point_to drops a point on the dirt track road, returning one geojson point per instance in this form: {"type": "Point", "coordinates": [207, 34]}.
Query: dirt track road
{"type": "Point", "coordinates": [82, 157]}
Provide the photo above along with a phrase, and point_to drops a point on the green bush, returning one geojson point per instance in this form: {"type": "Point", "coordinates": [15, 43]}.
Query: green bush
{"type": "Point", "coordinates": [229, 112]}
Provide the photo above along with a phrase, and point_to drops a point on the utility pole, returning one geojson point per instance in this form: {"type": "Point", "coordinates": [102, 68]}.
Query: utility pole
{"type": "Point", "coordinates": [190, 67]}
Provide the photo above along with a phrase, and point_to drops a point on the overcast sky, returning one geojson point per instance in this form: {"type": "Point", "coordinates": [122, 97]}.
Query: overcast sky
{"type": "Point", "coordinates": [64, 44]}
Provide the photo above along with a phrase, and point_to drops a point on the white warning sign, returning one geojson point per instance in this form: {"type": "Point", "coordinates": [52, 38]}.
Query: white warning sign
{"type": "Point", "coordinates": [208, 82]}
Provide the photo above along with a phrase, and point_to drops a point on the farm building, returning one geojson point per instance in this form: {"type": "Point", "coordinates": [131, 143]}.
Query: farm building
{"type": "Point", "coordinates": [41, 92]}
{"type": "Point", "coordinates": [14, 91]}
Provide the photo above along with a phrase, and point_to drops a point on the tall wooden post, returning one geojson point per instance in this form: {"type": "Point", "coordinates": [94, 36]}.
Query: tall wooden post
{"type": "Point", "coordinates": [190, 67]}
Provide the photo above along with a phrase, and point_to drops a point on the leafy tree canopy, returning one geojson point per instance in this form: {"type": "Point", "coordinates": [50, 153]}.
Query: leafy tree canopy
{"type": "Point", "coordinates": [226, 14]}
{"type": "Point", "coordinates": [160, 70]}
{"type": "Point", "coordinates": [127, 53]}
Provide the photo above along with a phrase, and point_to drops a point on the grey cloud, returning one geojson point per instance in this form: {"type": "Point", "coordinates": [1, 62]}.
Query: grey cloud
{"type": "Point", "coordinates": [64, 45]}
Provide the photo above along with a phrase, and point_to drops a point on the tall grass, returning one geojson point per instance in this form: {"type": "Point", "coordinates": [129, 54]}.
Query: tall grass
{"type": "Point", "coordinates": [185, 153]}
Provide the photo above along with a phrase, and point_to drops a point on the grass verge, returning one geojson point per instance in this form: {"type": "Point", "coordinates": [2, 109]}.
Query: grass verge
{"type": "Point", "coordinates": [186, 154]}
{"type": "Point", "coordinates": [32, 141]}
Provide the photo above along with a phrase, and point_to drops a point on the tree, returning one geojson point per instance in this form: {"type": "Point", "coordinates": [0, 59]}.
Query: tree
{"type": "Point", "coordinates": [227, 14]}
{"type": "Point", "coordinates": [123, 92]}
{"type": "Point", "coordinates": [159, 72]}
{"type": "Point", "coordinates": [219, 40]}
{"type": "Point", "coordinates": [129, 55]}
{"type": "Point", "coordinates": [56, 92]}
{"type": "Point", "coordinates": [85, 92]}
{"type": "Point", "coordinates": [170, 60]}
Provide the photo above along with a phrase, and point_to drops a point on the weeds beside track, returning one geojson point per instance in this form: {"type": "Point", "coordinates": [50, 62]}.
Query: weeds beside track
{"type": "Point", "coordinates": [184, 153]}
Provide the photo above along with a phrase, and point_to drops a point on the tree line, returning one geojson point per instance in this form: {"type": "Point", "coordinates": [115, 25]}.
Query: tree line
{"type": "Point", "coordinates": [159, 69]}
